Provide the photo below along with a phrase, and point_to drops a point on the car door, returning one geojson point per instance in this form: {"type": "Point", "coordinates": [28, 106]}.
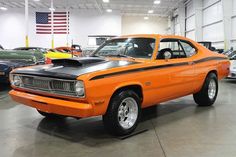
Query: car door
{"type": "Point", "coordinates": [180, 67]}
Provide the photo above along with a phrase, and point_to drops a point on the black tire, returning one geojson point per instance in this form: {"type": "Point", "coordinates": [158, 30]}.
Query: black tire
{"type": "Point", "coordinates": [50, 115]}
{"type": "Point", "coordinates": [111, 120]}
{"type": "Point", "coordinates": [202, 98]}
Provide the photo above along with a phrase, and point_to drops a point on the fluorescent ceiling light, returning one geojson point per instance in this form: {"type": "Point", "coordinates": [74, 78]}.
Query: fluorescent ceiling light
{"type": "Point", "coordinates": [146, 18]}
{"type": "Point", "coordinates": [109, 10]}
{"type": "Point", "coordinates": [3, 8]}
{"type": "Point", "coordinates": [157, 2]}
{"type": "Point", "coordinates": [150, 11]}
{"type": "Point", "coordinates": [51, 9]}
{"type": "Point", "coordinates": [106, 1]}
{"type": "Point", "coordinates": [36, 0]}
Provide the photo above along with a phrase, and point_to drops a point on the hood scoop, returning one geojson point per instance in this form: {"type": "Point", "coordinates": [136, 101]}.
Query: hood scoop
{"type": "Point", "coordinates": [77, 62]}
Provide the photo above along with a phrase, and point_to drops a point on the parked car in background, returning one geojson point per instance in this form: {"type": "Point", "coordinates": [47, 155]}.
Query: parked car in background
{"type": "Point", "coordinates": [7, 66]}
{"type": "Point", "coordinates": [74, 50]}
{"type": "Point", "coordinates": [232, 56]}
{"type": "Point", "coordinates": [120, 78]}
{"type": "Point", "coordinates": [208, 45]}
{"type": "Point", "coordinates": [48, 53]}
{"type": "Point", "coordinates": [31, 49]}
{"type": "Point", "coordinates": [11, 59]}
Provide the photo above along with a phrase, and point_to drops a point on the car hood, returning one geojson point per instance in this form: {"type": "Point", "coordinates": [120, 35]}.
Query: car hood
{"type": "Point", "coordinates": [74, 67]}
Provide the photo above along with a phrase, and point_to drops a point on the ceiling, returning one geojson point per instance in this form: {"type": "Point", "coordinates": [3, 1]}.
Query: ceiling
{"type": "Point", "coordinates": [127, 7]}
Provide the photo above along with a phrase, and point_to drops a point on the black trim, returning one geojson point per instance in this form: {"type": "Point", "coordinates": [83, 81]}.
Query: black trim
{"type": "Point", "coordinates": [157, 67]}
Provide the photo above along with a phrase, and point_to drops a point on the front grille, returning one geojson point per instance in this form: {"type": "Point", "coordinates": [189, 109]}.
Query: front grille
{"type": "Point", "coordinates": [50, 85]}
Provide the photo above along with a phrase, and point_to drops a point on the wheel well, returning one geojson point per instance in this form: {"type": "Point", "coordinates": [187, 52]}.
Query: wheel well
{"type": "Point", "coordinates": [214, 72]}
{"type": "Point", "coordinates": [136, 88]}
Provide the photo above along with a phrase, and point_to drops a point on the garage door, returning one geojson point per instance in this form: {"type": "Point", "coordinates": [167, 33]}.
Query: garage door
{"type": "Point", "coordinates": [213, 28]}
{"type": "Point", "coordinates": [234, 24]}
{"type": "Point", "coordinates": [190, 21]}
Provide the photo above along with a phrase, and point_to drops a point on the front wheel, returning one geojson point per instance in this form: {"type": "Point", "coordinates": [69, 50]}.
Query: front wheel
{"type": "Point", "coordinates": [207, 95]}
{"type": "Point", "coordinates": [123, 113]}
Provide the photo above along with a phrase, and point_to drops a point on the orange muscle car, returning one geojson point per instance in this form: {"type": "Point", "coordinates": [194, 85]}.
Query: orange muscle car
{"type": "Point", "coordinates": [74, 49]}
{"type": "Point", "coordinates": [121, 77]}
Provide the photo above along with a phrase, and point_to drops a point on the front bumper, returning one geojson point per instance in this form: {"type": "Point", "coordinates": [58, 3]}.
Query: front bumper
{"type": "Point", "coordinates": [53, 105]}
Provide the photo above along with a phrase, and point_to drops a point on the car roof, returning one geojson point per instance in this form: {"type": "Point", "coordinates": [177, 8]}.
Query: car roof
{"type": "Point", "coordinates": [152, 36]}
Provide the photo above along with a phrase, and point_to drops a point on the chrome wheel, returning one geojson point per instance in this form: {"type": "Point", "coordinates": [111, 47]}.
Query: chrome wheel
{"type": "Point", "coordinates": [212, 89]}
{"type": "Point", "coordinates": [128, 113]}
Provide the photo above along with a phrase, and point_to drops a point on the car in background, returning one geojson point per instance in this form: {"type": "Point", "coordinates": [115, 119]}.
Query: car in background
{"type": "Point", "coordinates": [48, 53]}
{"type": "Point", "coordinates": [208, 45]}
{"type": "Point", "coordinates": [74, 50]}
{"type": "Point", "coordinates": [7, 66]}
{"type": "Point", "coordinates": [11, 59]}
{"type": "Point", "coordinates": [31, 49]}
{"type": "Point", "coordinates": [232, 58]}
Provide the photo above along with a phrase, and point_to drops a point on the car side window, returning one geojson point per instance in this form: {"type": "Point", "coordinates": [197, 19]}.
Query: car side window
{"type": "Point", "coordinates": [170, 48]}
{"type": "Point", "coordinates": [189, 49]}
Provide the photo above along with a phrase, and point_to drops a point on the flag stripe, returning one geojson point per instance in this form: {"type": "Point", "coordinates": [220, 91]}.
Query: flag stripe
{"type": "Point", "coordinates": [39, 29]}
{"type": "Point", "coordinates": [50, 32]}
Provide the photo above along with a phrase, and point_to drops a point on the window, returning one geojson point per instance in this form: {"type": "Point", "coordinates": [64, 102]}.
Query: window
{"type": "Point", "coordinates": [133, 47]}
{"type": "Point", "coordinates": [189, 50]}
{"type": "Point", "coordinates": [176, 48]}
{"type": "Point", "coordinates": [173, 47]}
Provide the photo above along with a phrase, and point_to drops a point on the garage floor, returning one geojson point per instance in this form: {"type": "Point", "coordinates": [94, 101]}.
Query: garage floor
{"type": "Point", "coordinates": [175, 129]}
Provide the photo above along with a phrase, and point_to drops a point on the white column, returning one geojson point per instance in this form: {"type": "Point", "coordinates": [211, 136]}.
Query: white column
{"type": "Point", "coordinates": [227, 14]}
{"type": "Point", "coordinates": [26, 23]}
{"type": "Point", "coordinates": [198, 6]}
{"type": "Point", "coordinates": [181, 13]}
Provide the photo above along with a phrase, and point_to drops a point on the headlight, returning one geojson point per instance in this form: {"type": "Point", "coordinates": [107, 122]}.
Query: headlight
{"type": "Point", "coordinates": [79, 88]}
{"type": "Point", "coordinates": [15, 80]}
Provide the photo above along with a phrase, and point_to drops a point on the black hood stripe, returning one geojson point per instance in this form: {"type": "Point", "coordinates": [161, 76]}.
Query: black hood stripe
{"type": "Point", "coordinates": [158, 67]}
{"type": "Point", "coordinates": [71, 72]}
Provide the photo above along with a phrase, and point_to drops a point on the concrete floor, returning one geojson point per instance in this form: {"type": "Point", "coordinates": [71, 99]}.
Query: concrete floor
{"type": "Point", "coordinates": [175, 129]}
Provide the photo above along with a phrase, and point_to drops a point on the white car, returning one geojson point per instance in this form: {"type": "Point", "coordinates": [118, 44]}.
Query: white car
{"type": "Point", "coordinates": [232, 73]}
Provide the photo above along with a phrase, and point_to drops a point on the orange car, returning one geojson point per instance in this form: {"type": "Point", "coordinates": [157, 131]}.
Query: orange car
{"type": "Point", "coordinates": [121, 77]}
{"type": "Point", "coordinates": [74, 49]}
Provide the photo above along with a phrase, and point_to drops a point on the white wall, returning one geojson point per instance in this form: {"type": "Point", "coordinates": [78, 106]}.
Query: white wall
{"type": "Point", "coordinates": [12, 28]}
{"type": "Point", "coordinates": [213, 27]}
{"type": "Point", "coordinates": [137, 25]}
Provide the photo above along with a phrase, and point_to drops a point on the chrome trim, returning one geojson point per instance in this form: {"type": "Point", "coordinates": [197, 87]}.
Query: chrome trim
{"type": "Point", "coordinates": [50, 89]}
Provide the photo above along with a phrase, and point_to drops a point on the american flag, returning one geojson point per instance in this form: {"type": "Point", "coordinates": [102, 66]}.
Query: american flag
{"type": "Point", "coordinates": [60, 23]}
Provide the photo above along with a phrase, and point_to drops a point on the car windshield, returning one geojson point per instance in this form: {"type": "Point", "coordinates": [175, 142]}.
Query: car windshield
{"type": "Point", "coordinates": [128, 47]}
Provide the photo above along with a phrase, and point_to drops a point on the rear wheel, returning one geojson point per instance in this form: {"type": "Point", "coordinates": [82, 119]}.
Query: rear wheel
{"type": "Point", "coordinates": [50, 115]}
{"type": "Point", "coordinates": [207, 95]}
{"type": "Point", "coordinates": [123, 113]}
